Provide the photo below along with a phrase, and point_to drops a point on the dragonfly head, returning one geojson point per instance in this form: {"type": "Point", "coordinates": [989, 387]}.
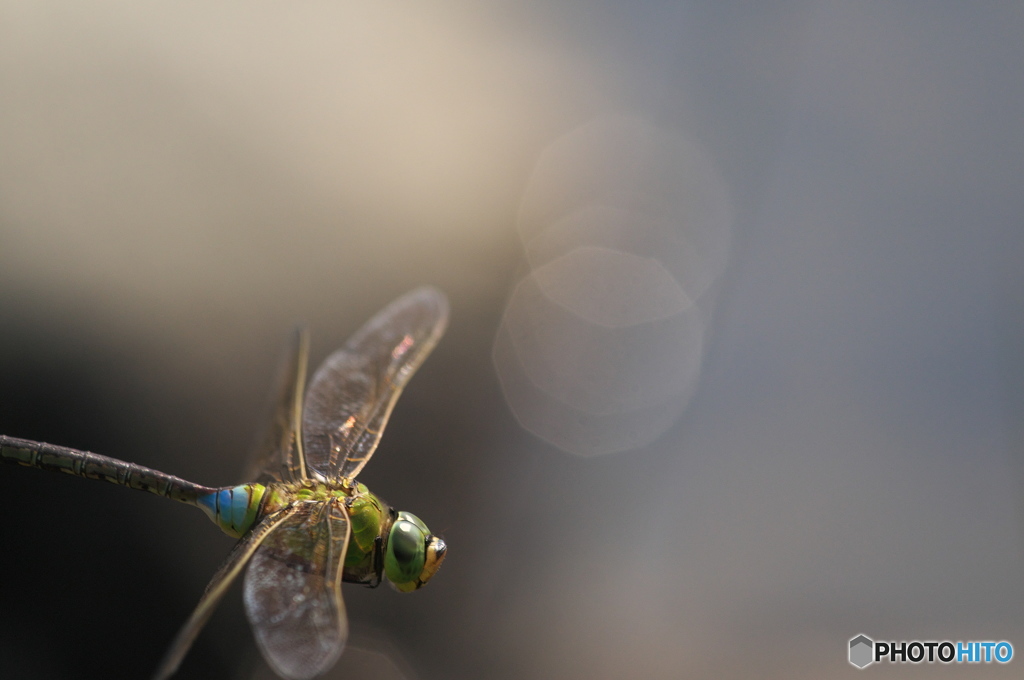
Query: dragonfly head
{"type": "Point", "coordinates": [413, 553]}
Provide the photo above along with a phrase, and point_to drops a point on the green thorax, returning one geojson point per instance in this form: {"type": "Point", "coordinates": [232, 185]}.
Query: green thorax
{"type": "Point", "coordinates": [235, 510]}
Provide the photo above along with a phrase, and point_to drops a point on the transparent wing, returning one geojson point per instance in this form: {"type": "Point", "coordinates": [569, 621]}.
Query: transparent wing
{"type": "Point", "coordinates": [293, 591]}
{"type": "Point", "coordinates": [352, 394]}
{"type": "Point", "coordinates": [278, 454]}
{"type": "Point", "coordinates": [220, 583]}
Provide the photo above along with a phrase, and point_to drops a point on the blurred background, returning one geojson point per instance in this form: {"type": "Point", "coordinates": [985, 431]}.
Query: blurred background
{"type": "Point", "coordinates": [735, 368]}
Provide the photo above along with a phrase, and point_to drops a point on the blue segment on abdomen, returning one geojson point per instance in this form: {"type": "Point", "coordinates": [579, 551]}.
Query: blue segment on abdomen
{"type": "Point", "coordinates": [228, 508]}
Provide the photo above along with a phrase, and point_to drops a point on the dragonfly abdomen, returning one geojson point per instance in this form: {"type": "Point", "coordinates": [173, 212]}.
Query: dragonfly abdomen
{"type": "Point", "coordinates": [233, 508]}
{"type": "Point", "coordinates": [94, 466]}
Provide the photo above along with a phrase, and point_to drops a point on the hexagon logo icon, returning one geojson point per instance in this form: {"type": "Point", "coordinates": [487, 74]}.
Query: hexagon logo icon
{"type": "Point", "coordinates": [861, 651]}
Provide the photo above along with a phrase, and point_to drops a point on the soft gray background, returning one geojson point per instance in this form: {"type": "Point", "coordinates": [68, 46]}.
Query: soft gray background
{"type": "Point", "coordinates": [182, 181]}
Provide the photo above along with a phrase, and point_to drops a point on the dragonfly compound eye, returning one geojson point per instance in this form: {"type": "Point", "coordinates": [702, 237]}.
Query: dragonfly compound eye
{"type": "Point", "coordinates": [413, 554]}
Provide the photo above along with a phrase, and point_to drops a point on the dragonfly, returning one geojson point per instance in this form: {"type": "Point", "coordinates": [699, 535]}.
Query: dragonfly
{"type": "Point", "coordinates": [303, 522]}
